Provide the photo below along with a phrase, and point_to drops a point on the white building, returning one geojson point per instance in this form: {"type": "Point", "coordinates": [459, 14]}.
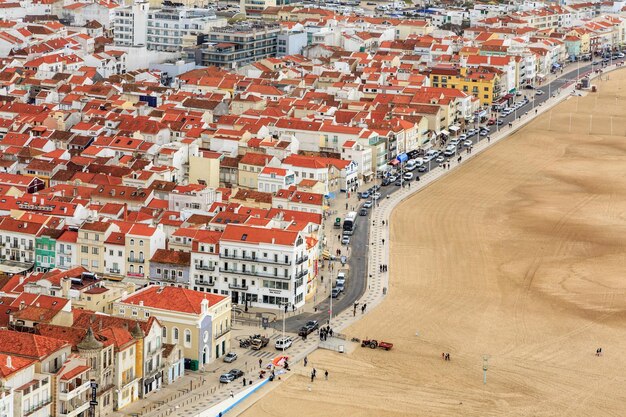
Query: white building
{"type": "Point", "coordinates": [272, 179]}
{"type": "Point", "coordinates": [263, 267]}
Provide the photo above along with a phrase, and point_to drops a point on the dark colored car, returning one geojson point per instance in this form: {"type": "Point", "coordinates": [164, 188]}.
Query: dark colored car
{"type": "Point", "coordinates": [363, 212]}
{"type": "Point", "coordinates": [308, 328]}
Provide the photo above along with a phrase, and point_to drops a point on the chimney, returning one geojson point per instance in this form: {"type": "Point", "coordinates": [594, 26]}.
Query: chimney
{"type": "Point", "coordinates": [42, 201]}
{"type": "Point", "coordinates": [9, 363]}
{"type": "Point", "coordinates": [22, 305]}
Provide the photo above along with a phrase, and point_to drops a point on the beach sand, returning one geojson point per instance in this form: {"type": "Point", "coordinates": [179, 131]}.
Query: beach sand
{"type": "Point", "coordinates": [519, 255]}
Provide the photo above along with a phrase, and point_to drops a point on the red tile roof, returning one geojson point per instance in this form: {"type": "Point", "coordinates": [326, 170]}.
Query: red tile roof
{"type": "Point", "coordinates": [173, 299]}
{"type": "Point", "coordinates": [29, 345]}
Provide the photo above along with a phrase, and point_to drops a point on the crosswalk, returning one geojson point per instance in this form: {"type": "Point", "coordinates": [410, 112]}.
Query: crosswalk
{"type": "Point", "coordinates": [269, 351]}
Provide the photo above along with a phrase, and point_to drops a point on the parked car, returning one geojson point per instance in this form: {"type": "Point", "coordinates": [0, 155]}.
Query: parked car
{"type": "Point", "coordinates": [450, 150]}
{"type": "Point", "coordinates": [345, 240]}
{"type": "Point", "coordinates": [468, 143]}
{"type": "Point", "coordinates": [376, 195]}
{"type": "Point", "coordinates": [500, 122]}
{"type": "Point", "coordinates": [408, 176]}
{"type": "Point", "coordinates": [283, 343]}
{"type": "Point", "coordinates": [363, 212]}
{"type": "Point", "coordinates": [539, 92]}
{"type": "Point", "coordinates": [491, 122]}
{"type": "Point", "coordinates": [365, 194]}
{"type": "Point", "coordinates": [308, 328]}
{"type": "Point", "coordinates": [386, 181]}
{"type": "Point", "coordinates": [462, 137]}
{"type": "Point", "coordinates": [399, 182]}
{"type": "Point", "coordinates": [230, 376]}
{"type": "Point", "coordinates": [230, 357]}
{"type": "Point", "coordinates": [341, 277]}
{"type": "Point", "coordinates": [484, 132]}
{"type": "Point", "coordinates": [422, 168]}
{"type": "Point", "coordinates": [471, 132]}
{"type": "Point", "coordinates": [440, 159]}
{"type": "Point", "coordinates": [335, 292]}
{"type": "Point", "coordinates": [455, 142]}
{"type": "Point", "coordinates": [368, 204]}
{"type": "Point", "coordinates": [341, 286]}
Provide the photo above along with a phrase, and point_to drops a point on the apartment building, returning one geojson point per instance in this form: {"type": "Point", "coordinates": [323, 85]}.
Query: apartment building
{"type": "Point", "coordinates": [204, 264]}
{"type": "Point", "coordinates": [24, 392]}
{"type": "Point", "coordinates": [262, 267]}
{"type": "Point", "coordinates": [90, 241]}
{"type": "Point", "coordinates": [45, 249]}
{"type": "Point", "coordinates": [141, 242]}
{"type": "Point", "coordinates": [49, 356]}
{"type": "Point", "coordinates": [17, 244]}
{"type": "Point", "coordinates": [197, 321]}
{"type": "Point", "coordinates": [238, 44]}
{"type": "Point", "coordinates": [167, 29]}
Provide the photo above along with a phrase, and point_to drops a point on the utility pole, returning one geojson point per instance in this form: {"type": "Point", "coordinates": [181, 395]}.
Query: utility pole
{"type": "Point", "coordinates": [330, 309]}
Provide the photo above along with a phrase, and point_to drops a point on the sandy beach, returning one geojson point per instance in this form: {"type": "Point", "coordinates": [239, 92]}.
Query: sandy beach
{"type": "Point", "coordinates": [518, 255]}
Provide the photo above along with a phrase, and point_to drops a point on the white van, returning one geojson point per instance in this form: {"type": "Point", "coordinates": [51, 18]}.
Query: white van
{"type": "Point", "coordinates": [410, 165]}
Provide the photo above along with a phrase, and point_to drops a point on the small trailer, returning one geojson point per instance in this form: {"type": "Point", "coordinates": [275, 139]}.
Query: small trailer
{"type": "Point", "coordinates": [373, 344]}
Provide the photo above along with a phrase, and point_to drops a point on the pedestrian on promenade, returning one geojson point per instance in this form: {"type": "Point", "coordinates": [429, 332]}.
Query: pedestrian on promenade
{"type": "Point", "coordinates": [232, 394]}
{"type": "Point", "coordinates": [535, 111]}
{"type": "Point", "coordinates": [383, 222]}
{"type": "Point", "coordinates": [346, 206]}
{"type": "Point", "coordinates": [326, 375]}
{"type": "Point", "coordinates": [306, 360]}
{"type": "Point", "coordinates": [260, 363]}
{"type": "Point", "coordinates": [383, 242]}
{"type": "Point", "coordinates": [488, 139]}
{"type": "Point", "coordinates": [364, 306]}
{"type": "Point", "coordinates": [244, 381]}
{"type": "Point", "coordinates": [443, 356]}
{"type": "Point", "coordinates": [312, 376]}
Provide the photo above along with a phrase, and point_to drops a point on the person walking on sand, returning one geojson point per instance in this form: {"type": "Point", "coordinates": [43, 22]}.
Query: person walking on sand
{"type": "Point", "coordinates": [306, 360]}
{"type": "Point", "coordinates": [260, 363]}
{"type": "Point", "coordinates": [326, 375]}
{"type": "Point", "coordinates": [232, 394]}
{"type": "Point", "coordinates": [312, 376]}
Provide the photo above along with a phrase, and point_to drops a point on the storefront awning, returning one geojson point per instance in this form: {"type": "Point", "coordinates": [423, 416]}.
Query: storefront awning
{"type": "Point", "coordinates": [445, 132]}
{"type": "Point", "coordinates": [393, 162]}
{"type": "Point", "coordinates": [368, 173]}
{"type": "Point", "coordinates": [454, 128]}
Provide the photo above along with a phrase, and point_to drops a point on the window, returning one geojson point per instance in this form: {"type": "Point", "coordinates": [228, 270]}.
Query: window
{"type": "Point", "coordinates": [94, 251]}
{"type": "Point", "coordinates": [187, 337]}
{"type": "Point", "coordinates": [132, 241]}
{"type": "Point", "coordinates": [164, 332]}
{"type": "Point", "coordinates": [175, 337]}
{"type": "Point", "coordinates": [141, 243]}
{"type": "Point", "coordinates": [158, 271]}
{"type": "Point", "coordinates": [84, 249]}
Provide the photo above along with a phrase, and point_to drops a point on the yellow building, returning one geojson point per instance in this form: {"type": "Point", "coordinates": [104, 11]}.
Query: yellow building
{"type": "Point", "coordinates": [251, 165]}
{"type": "Point", "coordinates": [205, 168]}
{"type": "Point", "coordinates": [90, 242]}
{"type": "Point", "coordinates": [481, 83]}
{"type": "Point", "coordinates": [197, 321]}
{"type": "Point", "coordinates": [408, 28]}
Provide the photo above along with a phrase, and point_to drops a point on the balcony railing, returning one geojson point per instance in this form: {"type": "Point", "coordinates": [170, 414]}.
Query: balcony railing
{"type": "Point", "coordinates": [205, 267]}
{"type": "Point", "coordinates": [206, 283]}
{"type": "Point", "coordinates": [73, 390]}
{"type": "Point", "coordinates": [114, 271]}
{"type": "Point", "coordinates": [222, 333]}
{"type": "Point", "coordinates": [137, 260]}
{"type": "Point", "coordinates": [302, 273]}
{"type": "Point", "coordinates": [237, 287]}
{"type": "Point", "coordinates": [302, 259]}
{"type": "Point", "coordinates": [34, 407]}
{"type": "Point", "coordinates": [253, 273]}
{"type": "Point", "coordinates": [255, 259]}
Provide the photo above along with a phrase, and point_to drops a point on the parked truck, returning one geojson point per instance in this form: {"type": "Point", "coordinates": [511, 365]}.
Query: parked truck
{"type": "Point", "coordinates": [258, 342]}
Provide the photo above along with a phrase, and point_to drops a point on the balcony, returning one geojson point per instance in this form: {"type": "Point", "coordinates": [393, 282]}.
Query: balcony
{"type": "Point", "coordinates": [206, 283]}
{"type": "Point", "coordinates": [205, 267]}
{"type": "Point", "coordinates": [302, 259]}
{"type": "Point", "coordinates": [136, 260]}
{"type": "Point", "coordinates": [302, 274]}
{"type": "Point", "coordinates": [73, 410]}
{"type": "Point", "coordinates": [37, 406]}
{"type": "Point", "coordinates": [254, 274]}
{"type": "Point", "coordinates": [238, 287]}
{"type": "Point", "coordinates": [254, 259]}
{"type": "Point", "coordinates": [222, 333]}
{"type": "Point", "coordinates": [73, 390]}
{"type": "Point", "coordinates": [114, 271]}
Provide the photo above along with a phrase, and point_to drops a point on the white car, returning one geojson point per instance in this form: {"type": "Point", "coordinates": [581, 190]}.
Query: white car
{"type": "Point", "coordinates": [345, 240]}
{"type": "Point", "coordinates": [467, 143]}
{"type": "Point", "coordinates": [376, 196]}
{"type": "Point", "coordinates": [440, 159]}
{"type": "Point", "coordinates": [408, 176]}
{"type": "Point", "coordinates": [455, 142]}
{"type": "Point", "coordinates": [462, 137]}
{"type": "Point", "coordinates": [539, 92]}
{"type": "Point", "coordinates": [283, 343]}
